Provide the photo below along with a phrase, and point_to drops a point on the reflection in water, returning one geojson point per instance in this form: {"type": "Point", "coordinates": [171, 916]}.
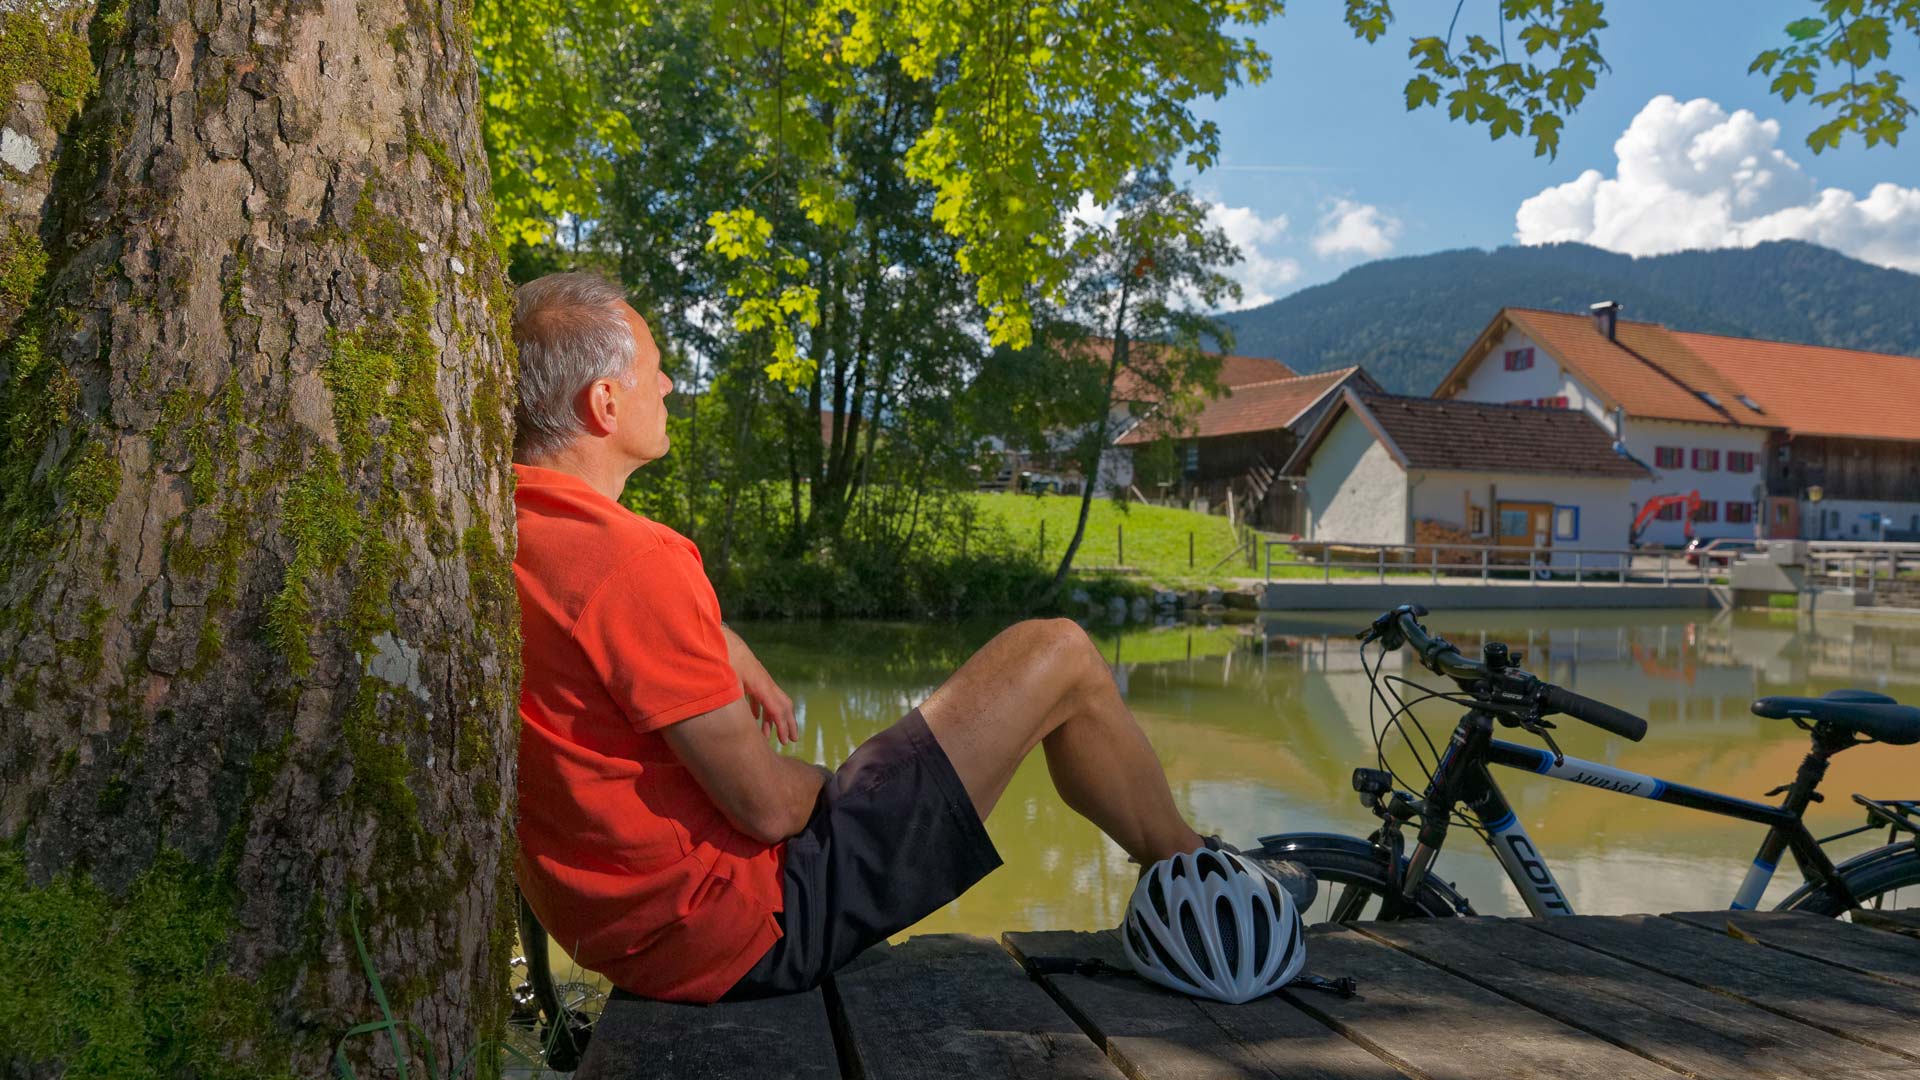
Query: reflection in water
{"type": "Point", "coordinates": [1261, 724]}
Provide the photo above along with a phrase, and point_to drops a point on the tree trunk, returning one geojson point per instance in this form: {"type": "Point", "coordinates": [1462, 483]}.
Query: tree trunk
{"type": "Point", "coordinates": [1090, 464]}
{"type": "Point", "coordinates": [258, 638]}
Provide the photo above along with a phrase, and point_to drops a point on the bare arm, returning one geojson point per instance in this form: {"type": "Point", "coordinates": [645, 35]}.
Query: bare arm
{"type": "Point", "coordinates": [765, 795]}
{"type": "Point", "coordinates": [769, 704]}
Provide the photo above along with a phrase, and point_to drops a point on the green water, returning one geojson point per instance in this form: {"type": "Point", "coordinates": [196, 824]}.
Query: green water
{"type": "Point", "coordinates": [1261, 724]}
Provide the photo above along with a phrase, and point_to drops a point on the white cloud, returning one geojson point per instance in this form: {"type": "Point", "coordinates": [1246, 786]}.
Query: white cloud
{"type": "Point", "coordinates": [1689, 175]}
{"type": "Point", "coordinates": [1260, 272]}
{"type": "Point", "coordinates": [1352, 228]}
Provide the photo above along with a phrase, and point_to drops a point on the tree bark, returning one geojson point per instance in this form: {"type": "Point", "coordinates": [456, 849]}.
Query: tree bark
{"type": "Point", "coordinates": [259, 646]}
{"type": "Point", "coordinates": [1090, 464]}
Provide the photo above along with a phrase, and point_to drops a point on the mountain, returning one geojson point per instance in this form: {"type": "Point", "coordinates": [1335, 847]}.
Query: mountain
{"type": "Point", "coordinates": [1409, 320]}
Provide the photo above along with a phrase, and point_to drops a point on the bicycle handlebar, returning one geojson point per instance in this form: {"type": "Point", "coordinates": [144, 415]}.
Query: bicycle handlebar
{"type": "Point", "coordinates": [1440, 657]}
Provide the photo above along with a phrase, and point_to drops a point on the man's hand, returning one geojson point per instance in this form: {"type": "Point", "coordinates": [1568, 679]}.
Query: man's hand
{"type": "Point", "coordinates": [770, 704]}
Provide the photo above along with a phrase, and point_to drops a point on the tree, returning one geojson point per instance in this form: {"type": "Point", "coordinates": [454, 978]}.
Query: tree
{"type": "Point", "coordinates": [258, 640]}
{"type": "Point", "coordinates": [1555, 59]}
{"type": "Point", "coordinates": [1144, 279]}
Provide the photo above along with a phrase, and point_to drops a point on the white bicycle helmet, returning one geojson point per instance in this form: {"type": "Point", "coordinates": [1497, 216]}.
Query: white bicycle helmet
{"type": "Point", "coordinates": [1213, 924]}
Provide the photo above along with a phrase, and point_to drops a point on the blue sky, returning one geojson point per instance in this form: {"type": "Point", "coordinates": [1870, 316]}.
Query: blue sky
{"type": "Point", "coordinates": [1325, 149]}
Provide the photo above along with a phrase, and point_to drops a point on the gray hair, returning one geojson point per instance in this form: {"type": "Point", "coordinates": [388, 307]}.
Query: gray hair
{"type": "Point", "coordinates": [570, 333]}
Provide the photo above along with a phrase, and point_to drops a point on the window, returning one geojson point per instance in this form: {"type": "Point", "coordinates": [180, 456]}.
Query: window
{"type": "Point", "coordinates": [1192, 461]}
{"type": "Point", "coordinates": [1477, 520]}
{"type": "Point", "coordinates": [1559, 402]}
{"type": "Point", "coordinates": [1668, 457]}
{"type": "Point", "coordinates": [1519, 359]}
{"type": "Point", "coordinates": [1708, 511]}
{"type": "Point", "coordinates": [1669, 512]}
{"type": "Point", "coordinates": [1739, 461]}
{"type": "Point", "coordinates": [1739, 513]}
{"type": "Point", "coordinates": [1833, 519]}
{"type": "Point", "coordinates": [1706, 460]}
{"type": "Point", "coordinates": [1566, 523]}
{"type": "Point", "coordinates": [1515, 523]}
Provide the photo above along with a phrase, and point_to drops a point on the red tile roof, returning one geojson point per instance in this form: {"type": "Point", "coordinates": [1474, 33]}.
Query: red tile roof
{"type": "Point", "coordinates": [1814, 390]}
{"type": "Point", "coordinates": [1475, 436]}
{"type": "Point", "coordinates": [1234, 370]}
{"type": "Point", "coordinates": [1657, 373]}
{"type": "Point", "coordinates": [1263, 406]}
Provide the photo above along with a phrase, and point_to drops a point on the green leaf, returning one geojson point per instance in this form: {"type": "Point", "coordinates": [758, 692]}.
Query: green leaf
{"type": "Point", "coordinates": [1422, 90]}
{"type": "Point", "coordinates": [1805, 29]}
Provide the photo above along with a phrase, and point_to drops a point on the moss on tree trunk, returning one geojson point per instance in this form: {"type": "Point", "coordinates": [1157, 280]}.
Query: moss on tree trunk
{"type": "Point", "coordinates": [258, 640]}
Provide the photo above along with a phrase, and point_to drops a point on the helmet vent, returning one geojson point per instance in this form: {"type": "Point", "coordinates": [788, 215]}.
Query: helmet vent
{"type": "Point", "coordinates": [1196, 944]}
{"type": "Point", "coordinates": [1177, 867]}
{"type": "Point", "coordinates": [1209, 865]}
{"type": "Point", "coordinates": [1162, 956]}
{"type": "Point", "coordinates": [1158, 897]}
{"type": "Point", "coordinates": [1230, 933]}
{"type": "Point", "coordinates": [1262, 936]}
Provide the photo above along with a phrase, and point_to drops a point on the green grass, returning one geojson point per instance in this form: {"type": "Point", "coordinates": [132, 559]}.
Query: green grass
{"type": "Point", "coordinates": [1134, 536]}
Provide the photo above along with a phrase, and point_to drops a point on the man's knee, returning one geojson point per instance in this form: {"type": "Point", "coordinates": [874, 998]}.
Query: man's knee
{"type": "Point", "coordinates": [1060, 645]}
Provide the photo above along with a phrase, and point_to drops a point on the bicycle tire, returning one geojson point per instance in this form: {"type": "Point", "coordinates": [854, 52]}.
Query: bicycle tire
{"type": "Point", "coordinates": [1870, 883]}
{"type": "Point", "coordinates": [1360, 876]}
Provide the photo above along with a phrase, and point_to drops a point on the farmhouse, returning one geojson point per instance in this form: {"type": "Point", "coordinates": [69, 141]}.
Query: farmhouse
{"type": "Point", "coordinates": [1779, 440]}
{"type": "Point", "coordinates": [1237, 441]}
{"type": "Point", "coordinates": [1382, 469]}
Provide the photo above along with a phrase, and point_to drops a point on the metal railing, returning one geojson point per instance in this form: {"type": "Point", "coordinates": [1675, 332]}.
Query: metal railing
{"type": "Point", "coordinates": [1867, 566]}
{"type": "Point", "coordinates": [1486, 564]}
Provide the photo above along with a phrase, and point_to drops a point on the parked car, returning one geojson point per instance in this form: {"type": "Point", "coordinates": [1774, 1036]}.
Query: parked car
{"type": "Point", "coordinates": [1718, 552]}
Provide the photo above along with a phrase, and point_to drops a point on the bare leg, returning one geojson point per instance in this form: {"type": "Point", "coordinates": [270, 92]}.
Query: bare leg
{"type": "Point", "coordinates": [1043, 683]}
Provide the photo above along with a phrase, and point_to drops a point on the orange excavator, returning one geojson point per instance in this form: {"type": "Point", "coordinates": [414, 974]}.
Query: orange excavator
{"type": "Point", "coordinates": [1691, 502]}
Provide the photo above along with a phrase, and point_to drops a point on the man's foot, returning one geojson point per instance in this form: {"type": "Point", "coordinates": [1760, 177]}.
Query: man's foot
{"type": "Point", "coordinates": [1300, 884]}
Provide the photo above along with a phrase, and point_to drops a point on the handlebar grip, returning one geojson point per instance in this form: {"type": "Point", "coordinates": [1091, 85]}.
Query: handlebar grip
{"type": "Point", "coordinates": [1598, 713]}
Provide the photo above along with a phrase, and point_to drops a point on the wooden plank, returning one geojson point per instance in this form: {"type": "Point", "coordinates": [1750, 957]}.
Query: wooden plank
{"type": "Point", "coordinates": [1676, 1024]}
{"type": "Point", "coordinates": [1902, 922]}
{"type": "Point", "coordinates": [1877, 1013]}
{"type": "Point", "coordinates": [1830, 941]}
{"type": "Point", "coordinates": [748, 1040]}
{"type": "Point", "coordinates": [949, 1005]}
{"type": "Point", "coordinates": [1155, 1034]}
{"type": "Point", "coordinates": [1441, 1026]}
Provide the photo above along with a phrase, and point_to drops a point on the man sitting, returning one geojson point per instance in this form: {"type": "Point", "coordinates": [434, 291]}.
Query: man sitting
{"type": "Point", "coordinates": [662, 840]}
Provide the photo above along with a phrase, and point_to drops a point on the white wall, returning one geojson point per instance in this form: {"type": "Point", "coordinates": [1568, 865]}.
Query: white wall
{"type": "Point", "coordinates": [1719, 486]}
{"type": "Point", "coordinates": [1491, 381]}
{"type": "Point", "coordinates": [1356, 492]}
{"type": "Point", "coordinates": [1603, 505]}
{"type": "Point", "coordinates": [1816, 522]}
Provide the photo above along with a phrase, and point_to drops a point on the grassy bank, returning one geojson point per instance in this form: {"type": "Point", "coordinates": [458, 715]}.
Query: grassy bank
{"type": "Point", "coordinates": [1158, 544]}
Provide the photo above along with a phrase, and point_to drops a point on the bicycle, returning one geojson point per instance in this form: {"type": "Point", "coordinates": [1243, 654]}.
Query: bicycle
{"type": "Point", "coordinates": [1495, 689]}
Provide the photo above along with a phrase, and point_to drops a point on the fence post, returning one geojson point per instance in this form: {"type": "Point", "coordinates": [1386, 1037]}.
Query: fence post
{"type": "Point", "coordinates": [1120, 543]}
{"type": "Point", "coordinates": [1326, 562]}
{"type": "Point", "coordinates": [1578, 567]}
{"type": "Point", "coordinates": [1483, 564]}
{"type": "Point", "coordinates": [1043, 540]}
{"type": "Point", "coordinates": [1433, 563]}
{"type": "Point", "coordinates": [1189, 549]}
{"type": "Point", "coordinates": [1381, 563]}
{"type": "Point", "coordinates": [1666, 572]}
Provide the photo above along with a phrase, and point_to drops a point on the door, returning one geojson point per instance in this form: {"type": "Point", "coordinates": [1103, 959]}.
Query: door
{"type": "Point", "coordinates": [1525, 525]}
{"type": "Point", "coordinates": [1783, 518]}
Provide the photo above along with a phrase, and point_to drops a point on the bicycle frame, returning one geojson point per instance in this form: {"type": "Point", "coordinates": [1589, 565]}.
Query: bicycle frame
{"type": "Point", "coordinates": [1463, 778]}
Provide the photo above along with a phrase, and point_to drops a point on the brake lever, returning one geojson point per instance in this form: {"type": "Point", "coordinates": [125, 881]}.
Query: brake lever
{"type": "Point", "coordinates": [1539, 727]}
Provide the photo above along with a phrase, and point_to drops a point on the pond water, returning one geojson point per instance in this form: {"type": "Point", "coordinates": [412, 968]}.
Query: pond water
{"type": "Point", "coordinates": [1260, 725]}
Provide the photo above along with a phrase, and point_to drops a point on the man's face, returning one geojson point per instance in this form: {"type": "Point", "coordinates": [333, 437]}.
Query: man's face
{"type": "Point", "coordinates": [643, 408]}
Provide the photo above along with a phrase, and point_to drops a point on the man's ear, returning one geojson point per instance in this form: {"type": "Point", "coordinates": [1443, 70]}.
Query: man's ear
{"type": "Point", "coordinates": [597, 409]}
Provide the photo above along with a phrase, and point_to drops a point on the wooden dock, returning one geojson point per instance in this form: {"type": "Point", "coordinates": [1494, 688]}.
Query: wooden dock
{"type": "Point", "coordinates": [1716, 994]}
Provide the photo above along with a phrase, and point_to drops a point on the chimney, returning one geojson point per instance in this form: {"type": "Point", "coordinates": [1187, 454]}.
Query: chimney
{"type": "Point", "coordinates": [1606, 316]}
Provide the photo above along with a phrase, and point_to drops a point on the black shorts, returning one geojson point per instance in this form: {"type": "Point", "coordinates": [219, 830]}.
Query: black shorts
{"type": "Point", "coordinates": [893, 837]}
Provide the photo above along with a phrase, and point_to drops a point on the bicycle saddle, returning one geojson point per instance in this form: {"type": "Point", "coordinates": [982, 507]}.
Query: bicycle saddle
{"type": "Point", "coordinates": [1876, 716]}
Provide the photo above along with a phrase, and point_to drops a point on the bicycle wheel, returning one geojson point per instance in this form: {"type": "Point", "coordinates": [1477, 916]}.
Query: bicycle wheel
{"type": "Point", "coordinates": [1886, 881]}
{"type": "Point", "coordinates": [1353, 882]}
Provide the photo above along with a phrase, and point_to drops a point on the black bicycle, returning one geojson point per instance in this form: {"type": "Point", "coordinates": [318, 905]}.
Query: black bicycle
{"type": "Point", "coordinates": [1377, 878]}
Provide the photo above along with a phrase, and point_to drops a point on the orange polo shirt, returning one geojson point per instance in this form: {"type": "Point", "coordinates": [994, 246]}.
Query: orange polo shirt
{"type": "Point", "coordinates": [627, 861]}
